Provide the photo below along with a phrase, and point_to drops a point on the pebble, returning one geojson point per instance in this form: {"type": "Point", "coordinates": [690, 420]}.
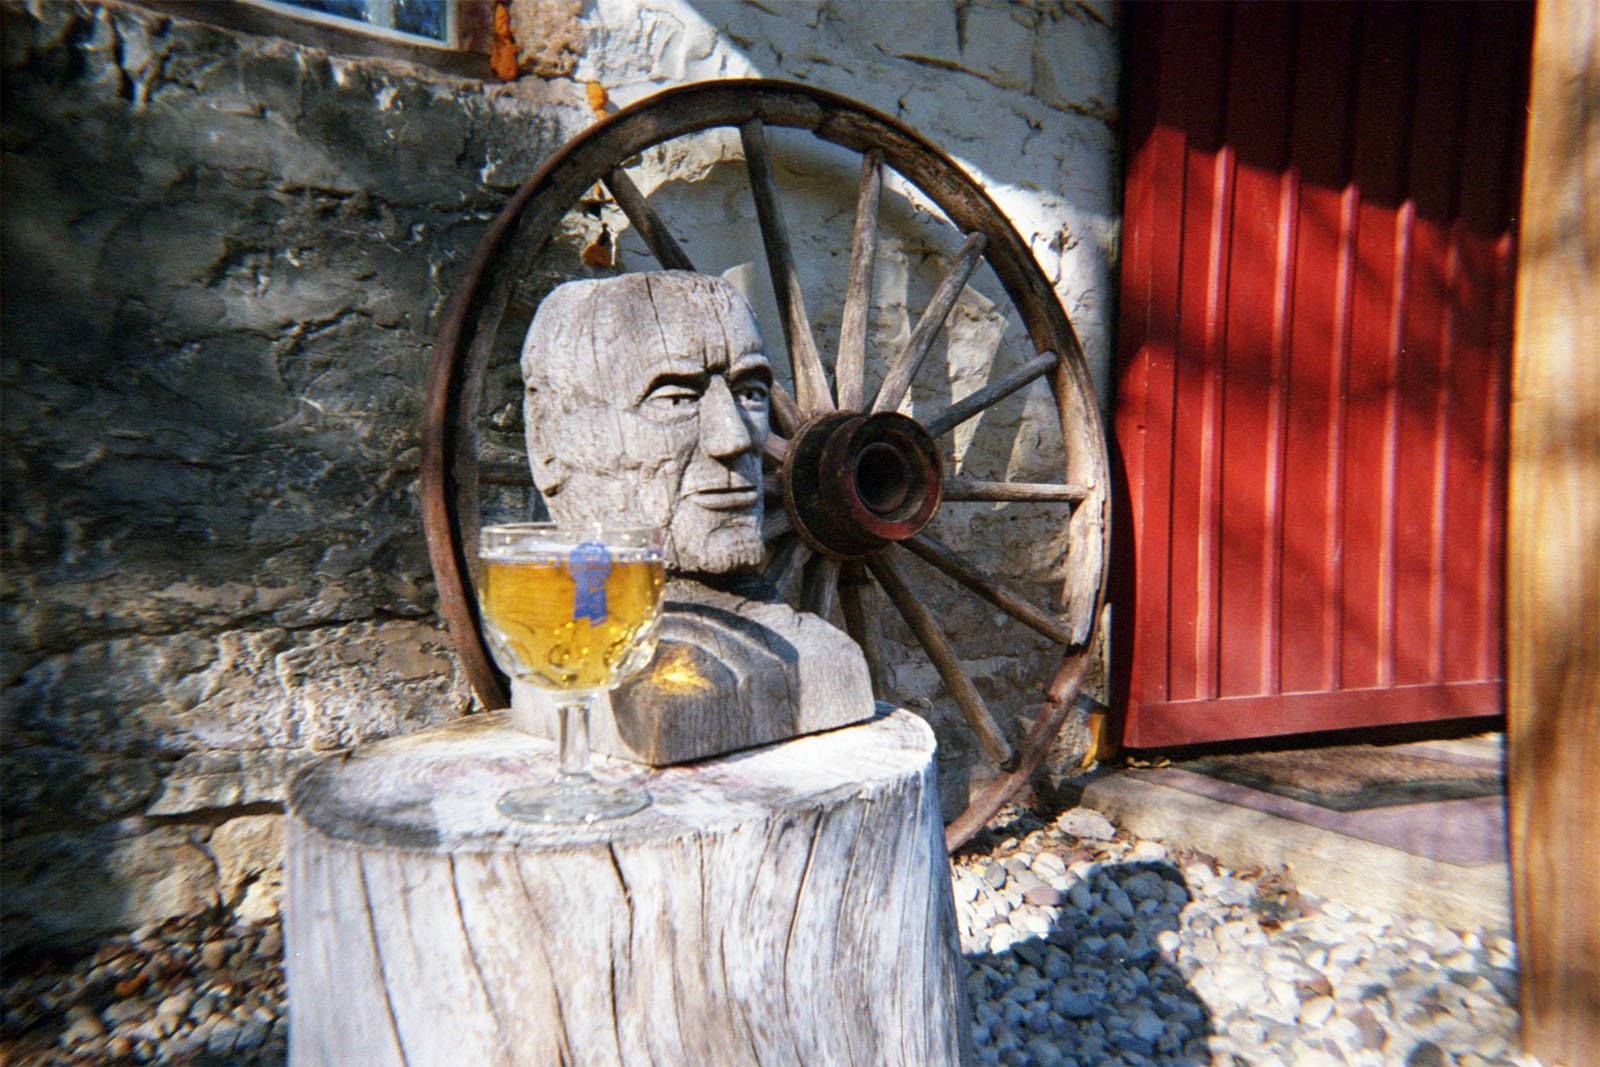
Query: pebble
{"type": "Point", "coordinates": [1085, 824]}
{"type": "Point", "coordinates": [1085, 946]}
{"type": "Point", "coordinates": [213, 953]}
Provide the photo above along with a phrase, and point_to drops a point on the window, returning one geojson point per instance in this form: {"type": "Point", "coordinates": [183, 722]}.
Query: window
{"type": "Point", "coordinates": [449, 35]}
{"type": "Point", "coordinates": [432, 21]}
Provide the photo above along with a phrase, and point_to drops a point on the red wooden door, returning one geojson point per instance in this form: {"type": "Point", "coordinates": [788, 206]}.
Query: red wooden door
{"type": "Point", "coordinates": [1314, 346]}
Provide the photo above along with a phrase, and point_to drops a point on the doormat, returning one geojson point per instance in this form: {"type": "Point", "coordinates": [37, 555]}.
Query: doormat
{"type": "Point", "coordinates": [1357, 777]}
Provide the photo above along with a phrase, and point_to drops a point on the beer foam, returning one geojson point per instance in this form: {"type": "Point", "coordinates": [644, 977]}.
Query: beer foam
{"type": "Point", "coordinates": [544, 550]}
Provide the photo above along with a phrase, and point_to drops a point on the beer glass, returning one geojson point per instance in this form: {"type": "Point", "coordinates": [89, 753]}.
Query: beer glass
{"type": "Point", "coordinates": [572, 608]}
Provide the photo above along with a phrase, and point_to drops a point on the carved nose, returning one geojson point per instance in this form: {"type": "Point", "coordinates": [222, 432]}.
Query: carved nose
{"type": "Point", "coordinates": [723, 431]}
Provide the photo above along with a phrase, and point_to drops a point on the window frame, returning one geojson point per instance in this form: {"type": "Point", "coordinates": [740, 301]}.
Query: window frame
{"type": "Point", "coordinates": [293, 9]}
{"type": "Point", "coordinates": [468, 57]}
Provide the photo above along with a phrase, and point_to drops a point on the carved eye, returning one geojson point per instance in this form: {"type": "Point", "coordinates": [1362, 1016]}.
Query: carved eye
{"type": "Point", "coordinates": [672, 401]}
{"type": "Point", "coordinates": [752, 394]}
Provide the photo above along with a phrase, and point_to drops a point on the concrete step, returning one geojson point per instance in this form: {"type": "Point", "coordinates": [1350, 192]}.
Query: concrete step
{"type": "Point", "coordinates": [1443, 860]}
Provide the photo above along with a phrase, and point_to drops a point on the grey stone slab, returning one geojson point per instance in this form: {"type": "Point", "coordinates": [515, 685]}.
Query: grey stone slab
{"type": "Point", "coordinates": [1322, 862]}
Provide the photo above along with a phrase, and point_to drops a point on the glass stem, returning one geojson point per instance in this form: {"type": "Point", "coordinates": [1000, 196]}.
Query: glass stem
{"type": "Point", "coordinates": [575, 738]}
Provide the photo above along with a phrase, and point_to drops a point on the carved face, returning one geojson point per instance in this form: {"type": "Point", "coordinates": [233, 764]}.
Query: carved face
{"type": "Point", "coordinates": [646, 401]}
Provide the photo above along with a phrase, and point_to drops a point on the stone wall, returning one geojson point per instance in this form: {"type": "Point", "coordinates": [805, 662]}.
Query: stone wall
{"type": "Point", "coordinates": [224, 261]}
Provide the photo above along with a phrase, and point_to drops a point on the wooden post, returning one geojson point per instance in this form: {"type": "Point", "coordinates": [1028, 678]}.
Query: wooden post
{"type": "Point", "coordinates": [1553, 548]}
{"type": "Point", "coordinates": [788, 905]}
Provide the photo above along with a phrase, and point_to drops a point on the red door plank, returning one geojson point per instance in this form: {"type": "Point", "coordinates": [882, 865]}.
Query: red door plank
{"type": "Point", "coordinates": [1477, 373]}
{"type": "Point", "coordinates": [1323, 271]}
{"type": "Point", "coordinates": [1148, 322]}
{"type": "Point", "coordinates": [1425, 343]}
{"type": "Point", "coordinates": [1252, 352]}
{"type": "Point", "coordinates": [1199, 46]}
{"type": "Point", "coordinates": [1194, 722]}
{"type": "Point", "coordinates": [1383, 236]}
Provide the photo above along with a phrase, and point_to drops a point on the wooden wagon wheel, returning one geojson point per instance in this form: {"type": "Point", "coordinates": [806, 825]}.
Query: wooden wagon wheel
{"type": "Point", "coordinates": [857, 479]}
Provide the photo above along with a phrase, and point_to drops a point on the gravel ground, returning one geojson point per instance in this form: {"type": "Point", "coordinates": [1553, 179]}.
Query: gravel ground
{"type": "Point", "coordinates": [1086, 947]}
{"type": "Point", "coordinates": [190, 991]}
{"type": "Point", "coordinates": [1089, 946]}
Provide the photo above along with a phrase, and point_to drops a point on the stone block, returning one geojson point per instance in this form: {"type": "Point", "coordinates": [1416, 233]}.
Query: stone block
{"type": "Point", "coordinates": [248, 852]}
{"type": "Point", "coordinates": [64, 889]}
{"type": "Point", "coordinates": [202, 780]}
{"type": "Point", "coordinates": [549, 36]}
{"type": "Point", "coordinates": [1075, 62]}
{"type": "Point", "coordinates": [997, 42]}
{"type": "Point", "coordinates": [49, 786]}
{"type": "Point", "coordinates": [331, 687]}
{"type": "Point", "coordinates": [933, 34]}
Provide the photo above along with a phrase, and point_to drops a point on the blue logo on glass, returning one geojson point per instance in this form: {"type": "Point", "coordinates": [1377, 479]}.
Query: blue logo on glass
{"type": "Point", "coordinates": [589, 564]}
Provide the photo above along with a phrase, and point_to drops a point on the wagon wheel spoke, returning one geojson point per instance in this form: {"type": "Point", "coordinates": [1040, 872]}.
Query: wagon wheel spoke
{"type": "Point", "coordinates": [774, 450]}
{"type": "Point", "coordinates": [1024, 492]}
{"type": "Point", "coordinates": [507, 473]}
{"type": "Point", "coordinates": [810, 380]}
{"type": "Point", "coordinates": [862, 626]}
{"type": "Point", "coordinates": [974, 403]}
{"type": "Point", "coordinates": [786, 415]}
{"type": "Point", "coordinates": [848, 369]}
{"type": "Point", "coordinates": [788, 558]}
{"type": "Point", "coordinates": [1059, 696]}
{"type": "Point", "coordinates": [937, 645]}
{"type": "Point", "coordinates": [952, 563]}
{"type": "Point", "coordinates": [644, 219]}
{"type": "Point", "coordinates": [898, 381]}
{"type": "Point", "coordinates": [819, 586]}
{"type": "Point", "coordinates": [775, 524]}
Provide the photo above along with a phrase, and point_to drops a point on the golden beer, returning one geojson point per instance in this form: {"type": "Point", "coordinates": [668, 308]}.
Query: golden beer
{"type": "Point", "coordinates": [534, 614]}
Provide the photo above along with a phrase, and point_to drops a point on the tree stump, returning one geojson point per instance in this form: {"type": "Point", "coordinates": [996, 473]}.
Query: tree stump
{"type": "Point", "coordinates": [785, 905]}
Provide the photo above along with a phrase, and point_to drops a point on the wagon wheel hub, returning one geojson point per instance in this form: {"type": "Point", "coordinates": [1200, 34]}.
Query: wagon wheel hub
{"type": "Point", "coordinates": [853, 483]}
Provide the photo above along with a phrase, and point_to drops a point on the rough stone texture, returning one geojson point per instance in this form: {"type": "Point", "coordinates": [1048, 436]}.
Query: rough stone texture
{"type": "Point", "coordinates": [224, 260]}
{"type": "Point", "coordinates": [549, 36]}
{"type": "Point", "coordinates": [203, 780]}
{"type": "Point", "coordinates": [249, 856]}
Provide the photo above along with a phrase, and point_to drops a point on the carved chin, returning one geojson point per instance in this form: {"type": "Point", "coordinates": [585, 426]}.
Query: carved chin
{"type": "Point", "coordinates": [701, 544]}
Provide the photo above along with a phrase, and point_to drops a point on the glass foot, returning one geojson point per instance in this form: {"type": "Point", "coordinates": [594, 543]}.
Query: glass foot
{"type": "Point", "coordinates": [573, 800]}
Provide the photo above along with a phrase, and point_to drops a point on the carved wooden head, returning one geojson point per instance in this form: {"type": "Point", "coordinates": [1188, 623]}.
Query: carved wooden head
{"type": "Point", "coordinates": [646, 401]}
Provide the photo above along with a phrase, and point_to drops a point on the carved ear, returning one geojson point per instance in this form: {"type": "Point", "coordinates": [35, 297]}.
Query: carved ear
{"type": "Point", "coordinates": [550, 472]}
